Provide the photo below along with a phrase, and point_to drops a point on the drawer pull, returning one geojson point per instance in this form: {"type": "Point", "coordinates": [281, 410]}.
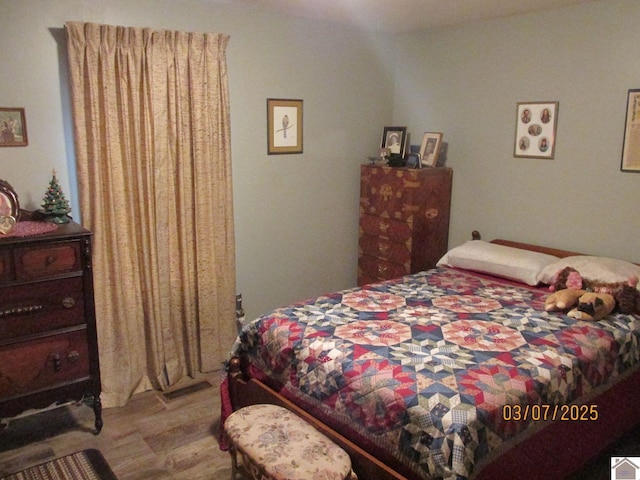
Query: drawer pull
{"type": "Point", "coordinates": [73, 356]}
{"type": "Point", "coordinates": [50, 260]}
{"type": "Point", "coordinates": [57, 362]}
{"type": "Point", "coordinates": [68, 302]}
{"type": "Point", "coordinates": [26, 309]}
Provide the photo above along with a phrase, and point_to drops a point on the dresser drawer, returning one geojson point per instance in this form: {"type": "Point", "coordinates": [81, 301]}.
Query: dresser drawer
{"type": "Point", "coordinates": [381, 226]}
{"type": "Point", "coordinates": [5, 267]}
{"type": "Point", "coordinates": [383, 248]}
{"type": "Point", "coordinates": [40, 307]}
{"type": "Point", "coordinates": [379, 269]}
{"type": "Point", "coordinates": [47, 260]}
{"type": "Point", "coordinates": [26, 367]}
{"type": "Point", "coordinates": [389, 191]}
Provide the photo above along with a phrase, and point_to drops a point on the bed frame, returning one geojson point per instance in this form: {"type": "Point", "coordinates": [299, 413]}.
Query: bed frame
{"type": "Point", "coordinates": [535, 457]}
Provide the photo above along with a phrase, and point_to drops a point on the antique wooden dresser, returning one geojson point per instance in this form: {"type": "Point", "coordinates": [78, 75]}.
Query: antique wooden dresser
{"type": "Point", "coordinates": [404, 220]}
{"type": "Point", "coordinates": [48, 341]}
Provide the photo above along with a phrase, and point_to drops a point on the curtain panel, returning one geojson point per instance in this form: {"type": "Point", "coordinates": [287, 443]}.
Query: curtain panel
{"type": "Point", "coordinates": [152, 141]}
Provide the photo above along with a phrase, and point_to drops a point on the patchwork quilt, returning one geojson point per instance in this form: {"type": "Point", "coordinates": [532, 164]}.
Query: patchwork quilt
{"type": "Point", "coordinates": [439, 370]}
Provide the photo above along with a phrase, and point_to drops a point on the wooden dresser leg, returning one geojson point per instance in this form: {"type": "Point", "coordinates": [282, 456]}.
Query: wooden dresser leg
{"type": "Point", "coordinates": [97, 410]}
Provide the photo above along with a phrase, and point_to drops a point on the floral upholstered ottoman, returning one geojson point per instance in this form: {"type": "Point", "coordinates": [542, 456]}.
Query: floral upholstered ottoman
{"type": "Point", "coordinates": [276, 444]}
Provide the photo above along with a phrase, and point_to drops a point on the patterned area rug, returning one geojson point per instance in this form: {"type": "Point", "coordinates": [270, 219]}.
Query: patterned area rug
{"type": "Point", "coordinates": [84, 465]}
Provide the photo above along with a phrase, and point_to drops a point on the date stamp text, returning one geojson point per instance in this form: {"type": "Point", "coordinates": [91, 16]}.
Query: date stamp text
{"type": "Point", "coordinates": [544, 412]}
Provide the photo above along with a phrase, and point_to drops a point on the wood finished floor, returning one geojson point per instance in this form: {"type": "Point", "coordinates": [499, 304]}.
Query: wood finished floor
{"type": "Point", "coordinates": [149, 438]}
{"type": "Point", "coordinates": [152, 438]}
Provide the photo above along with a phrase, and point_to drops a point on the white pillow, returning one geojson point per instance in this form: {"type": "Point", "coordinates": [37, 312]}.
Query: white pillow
{"type": "Point", "coordinates": [601, 269]}
{"type": "Point", "coordinates": [499, 260]}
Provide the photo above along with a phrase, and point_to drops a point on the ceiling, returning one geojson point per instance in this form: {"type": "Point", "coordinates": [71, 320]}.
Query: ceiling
{"type": "Point", "coordinates": [402, 15]}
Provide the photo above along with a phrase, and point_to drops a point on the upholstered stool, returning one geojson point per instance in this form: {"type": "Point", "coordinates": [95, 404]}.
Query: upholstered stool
{"type": "Point", "coordinates": [276, 444]}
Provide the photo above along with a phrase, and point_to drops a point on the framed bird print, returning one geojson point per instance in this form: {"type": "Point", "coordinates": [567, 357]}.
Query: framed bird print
{"type": "Point", "coordinates": [284, 126]}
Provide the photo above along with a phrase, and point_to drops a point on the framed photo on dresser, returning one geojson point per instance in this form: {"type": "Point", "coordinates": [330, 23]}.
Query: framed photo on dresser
{"type": "Point", "coordinates": [430, 148]}
{"type": "Point", "coordinates": [395, 139]}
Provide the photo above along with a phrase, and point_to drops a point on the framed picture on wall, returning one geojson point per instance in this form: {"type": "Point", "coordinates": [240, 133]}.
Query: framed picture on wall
{"type": "Point", "coordinates": [430, 148]}
{"type": "Point", "coordinates": [395, 139]}
{"type": "Point", "coordinates": [536, 124]}
{"type": "Point", "coordinates": [13, 127]}
{"type": "Point", "coordinates": [284, 126]}
{"type": "Point", "coordinates": [631, 143]}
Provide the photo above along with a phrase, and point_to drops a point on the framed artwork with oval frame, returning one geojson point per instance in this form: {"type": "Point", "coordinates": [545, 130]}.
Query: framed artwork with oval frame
{"type": "Point", "coordinates": [9, 207]}
{"type": "Point", "coordinates": [536, 124]}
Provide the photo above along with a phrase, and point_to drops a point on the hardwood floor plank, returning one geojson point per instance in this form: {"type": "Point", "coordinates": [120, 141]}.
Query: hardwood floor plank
{"type": "Point", "coordinates": [150, 438]}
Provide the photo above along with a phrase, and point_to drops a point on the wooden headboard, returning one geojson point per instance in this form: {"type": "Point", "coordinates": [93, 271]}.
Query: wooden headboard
{"type": "Point", "coordinates": [527, 246]}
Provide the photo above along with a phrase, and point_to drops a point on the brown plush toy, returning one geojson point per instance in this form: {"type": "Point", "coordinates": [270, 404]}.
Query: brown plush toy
{"type": "Point", "coordinates": [593, 306]}
{"type": "Point", "coordinates": [625, 294]}
{"type": "Point", "coordinates": [562, 299]}
{"type": "Point", "coordinates": [581, 304]}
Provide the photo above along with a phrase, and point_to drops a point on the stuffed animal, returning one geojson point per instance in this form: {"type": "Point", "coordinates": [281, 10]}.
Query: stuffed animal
{"type": "Point", "coordinates": [581, 304]}
{"type": "Point", "coordinates": [593, 306]}
{"type": "Point", "coordinates": [562, 299]}
{"type": "Point", "coordinates": [625, 294]}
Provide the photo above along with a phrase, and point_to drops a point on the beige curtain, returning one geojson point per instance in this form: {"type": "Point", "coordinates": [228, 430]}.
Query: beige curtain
{"type": "Point", "coordinates": [152, 140]}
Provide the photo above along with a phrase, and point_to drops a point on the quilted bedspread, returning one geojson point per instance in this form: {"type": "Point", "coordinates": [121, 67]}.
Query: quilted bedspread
{"type": "Point", "coordinates": [422, 367]}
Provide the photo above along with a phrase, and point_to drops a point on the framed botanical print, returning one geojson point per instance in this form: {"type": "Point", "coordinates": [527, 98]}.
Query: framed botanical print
{"type": "Point", "coordinates": [536, 124]}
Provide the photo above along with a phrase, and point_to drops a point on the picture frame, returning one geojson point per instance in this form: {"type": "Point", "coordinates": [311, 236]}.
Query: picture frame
{"type": "Point", "coordinates": [413, 160]}
{"type": "Point", "coordinates": [13, 127]}
{"type": "Point", "coordinates": [284, 126]}
{"type": "Point", "coordinates": [395, 139]}
{"type": "Point", "coordinates": [430, 148]}
{"type": "Point", "coordinates": [630, 161]}
{"type": "Point", "coordinates": [9, 207]}
{"type": "Point", "coordinates": [536, 124]}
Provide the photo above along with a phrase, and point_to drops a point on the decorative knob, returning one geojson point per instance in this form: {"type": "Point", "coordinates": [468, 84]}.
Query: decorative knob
{"type": "Point", "coordinates": [431, 213]}
{"type": "Point", "coordinates": [68, 302]}
{"type": "Point", "coordinates": [73, 356]}
{"type": "Point", "coordinates": [50, 260]}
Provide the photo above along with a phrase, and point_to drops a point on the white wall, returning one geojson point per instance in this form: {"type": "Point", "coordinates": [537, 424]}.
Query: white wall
{"type": "Point", "coordinates": [296, 215]}
{"type": "Point", "coordinates": [466, 82]}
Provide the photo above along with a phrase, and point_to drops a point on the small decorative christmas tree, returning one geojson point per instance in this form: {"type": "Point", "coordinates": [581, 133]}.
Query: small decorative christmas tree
{"type": "Point", "coordinates": [54, 204]}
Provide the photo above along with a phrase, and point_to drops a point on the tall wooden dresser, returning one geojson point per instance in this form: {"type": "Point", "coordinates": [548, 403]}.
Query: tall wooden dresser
{"type": "Point", "coordinates": [48, 341]}
{"type": "Point", "coordinates": [404, 220]}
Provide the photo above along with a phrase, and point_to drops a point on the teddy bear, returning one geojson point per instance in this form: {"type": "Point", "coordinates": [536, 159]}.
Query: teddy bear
{"type": "Point", "coordinates": [569, 286]}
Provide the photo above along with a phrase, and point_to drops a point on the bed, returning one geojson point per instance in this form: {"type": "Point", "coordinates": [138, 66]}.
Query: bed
{"type": "Point", "coordinates": [457, 372]}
